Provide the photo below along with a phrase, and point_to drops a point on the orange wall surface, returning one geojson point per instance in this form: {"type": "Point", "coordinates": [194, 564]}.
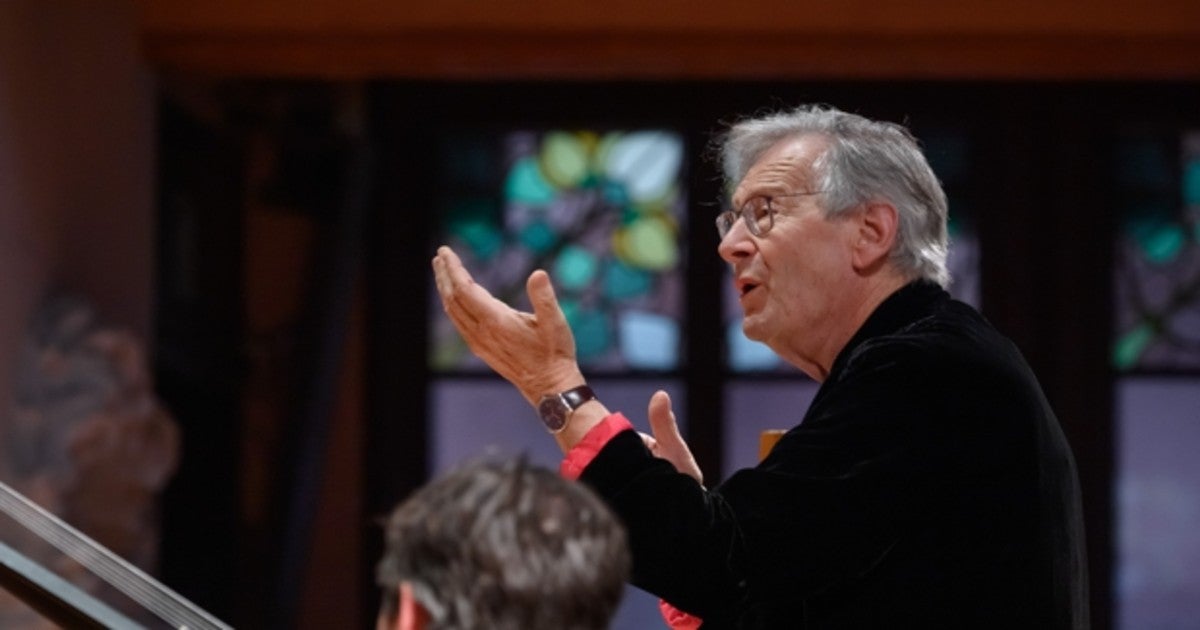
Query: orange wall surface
{"type": "Point", "coordinates": [76, 165]}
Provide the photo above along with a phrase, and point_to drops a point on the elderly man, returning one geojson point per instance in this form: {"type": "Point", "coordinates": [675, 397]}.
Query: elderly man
{"type": "Point", "coordinates": [928, 484]}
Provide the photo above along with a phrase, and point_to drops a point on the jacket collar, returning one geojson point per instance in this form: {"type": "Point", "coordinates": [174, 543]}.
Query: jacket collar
{"type": "Point", "coordinates": [908, 304]}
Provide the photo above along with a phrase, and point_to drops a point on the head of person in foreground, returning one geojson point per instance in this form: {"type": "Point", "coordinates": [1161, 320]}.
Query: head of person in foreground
{"type": "Point", "coordinates": [502, 545]}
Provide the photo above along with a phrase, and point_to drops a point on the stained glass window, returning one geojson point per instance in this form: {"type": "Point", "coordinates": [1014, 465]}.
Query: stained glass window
{"type": "Point", "coordinates": [602, 212]}
{"type": "Point", "coordinates": [1158, 254]}
{"type": "Point", "coordinates": [1157, 347]}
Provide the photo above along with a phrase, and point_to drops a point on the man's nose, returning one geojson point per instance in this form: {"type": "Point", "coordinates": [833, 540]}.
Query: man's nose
{"type": "Point", "coordinates": [737, 243]}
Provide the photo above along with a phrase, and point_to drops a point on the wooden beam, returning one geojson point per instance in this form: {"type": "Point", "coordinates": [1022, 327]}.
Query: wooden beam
{"type": "Point", "coordinates": [676, 39]}
{"type": "Point", "coordinates": [460, 55]}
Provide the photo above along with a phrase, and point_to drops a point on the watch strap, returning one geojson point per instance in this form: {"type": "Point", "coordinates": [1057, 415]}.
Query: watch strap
{"type": "Point", "coordinates": [556, 410]}
{"type": "Point", "coordinates": [576, 396]}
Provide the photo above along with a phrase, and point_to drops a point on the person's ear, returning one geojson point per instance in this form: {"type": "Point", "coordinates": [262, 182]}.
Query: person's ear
{"type": "Point", "coordinates": [412, 615]}
{"type": "Point", "coordinates": [876, 228]}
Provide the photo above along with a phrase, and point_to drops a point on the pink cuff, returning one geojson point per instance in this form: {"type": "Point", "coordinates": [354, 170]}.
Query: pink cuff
{"type": "Point", "coordinates": [586, 449]}
{"type": "Point", "coordinates": [677, 619]}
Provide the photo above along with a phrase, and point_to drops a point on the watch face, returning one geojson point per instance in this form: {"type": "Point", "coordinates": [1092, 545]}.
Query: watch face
{"type": "Point", "coordinates": [553, 412]}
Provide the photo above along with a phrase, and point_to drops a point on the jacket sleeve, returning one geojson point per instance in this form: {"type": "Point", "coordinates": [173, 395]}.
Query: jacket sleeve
{"type": "Point", "coordinates": [824, 506]}
{"type": "Point", "coordinates": [683, 538]}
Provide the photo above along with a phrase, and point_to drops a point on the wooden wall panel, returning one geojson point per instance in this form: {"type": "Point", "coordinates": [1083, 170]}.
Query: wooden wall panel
{"type": "Point", "coordinates": [462, 39]}
{"type": "Point", "coordinates": [913, 16]}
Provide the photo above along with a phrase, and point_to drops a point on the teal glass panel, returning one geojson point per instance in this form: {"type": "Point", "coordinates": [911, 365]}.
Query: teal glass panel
{"type": "Point", "coordinates": [1157, 271]}
{"type": "Point", "coordinates": [602, 212]}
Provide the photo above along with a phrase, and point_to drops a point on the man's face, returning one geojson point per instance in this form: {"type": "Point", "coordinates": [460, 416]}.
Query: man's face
{"type": "Point", "coordinates": [788, 280]}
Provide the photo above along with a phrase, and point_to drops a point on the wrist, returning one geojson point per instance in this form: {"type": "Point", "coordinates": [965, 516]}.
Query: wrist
{"type": "Point", "coordinates": [585, 418]}
{"type": "Point", "coordinates": [568, 408]}
{"type": "Point", "coordinates": [557, 409]}
{"type": "Point", "coordinates": [551, 383]}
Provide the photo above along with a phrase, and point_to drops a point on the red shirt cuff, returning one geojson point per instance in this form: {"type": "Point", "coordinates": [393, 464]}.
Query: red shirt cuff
{"type": "Point", "coordinates": [677, 619]}
{"type": "Point", "coordinates": [586, 449]}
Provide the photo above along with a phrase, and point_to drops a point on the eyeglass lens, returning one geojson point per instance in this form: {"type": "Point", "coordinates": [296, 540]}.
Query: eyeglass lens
{"type": "Point", "coordinates": [755, 212]}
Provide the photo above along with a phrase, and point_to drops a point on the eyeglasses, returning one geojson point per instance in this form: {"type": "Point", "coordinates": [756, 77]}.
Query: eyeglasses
{"type": "Point", "coordinates": [757, 213]}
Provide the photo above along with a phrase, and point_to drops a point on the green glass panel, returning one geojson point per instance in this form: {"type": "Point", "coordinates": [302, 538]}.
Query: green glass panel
{"type": "Point", "coordinates": [648, 243]}
{"type": "Point", "coordinates": [473, 220]}
{"type": "Point", "coordinates": [525, 184]}
{"type": "Point", "coordinates": [1131, 345]}
{"type": "Point", "coordinates": [575, 268]}
{"type": "Point", "coordinates": [538, 237]}
{"type": "Point", "coordinates": [622, 281]}
{"type": "Point", "coordinates": [564, 159]}
{"type": "Point", "coordinates": [1191, 182]}
{"type": "Point", "coordinates": [1160, 242]}
{"type": "Point", "coordinates": [592, 333]}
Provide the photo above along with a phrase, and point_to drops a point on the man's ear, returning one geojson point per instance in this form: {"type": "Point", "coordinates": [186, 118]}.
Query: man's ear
{"type": "Point", "coordinates": [412, 615]}
{"type": "Point", "coordinates": [876, 226]}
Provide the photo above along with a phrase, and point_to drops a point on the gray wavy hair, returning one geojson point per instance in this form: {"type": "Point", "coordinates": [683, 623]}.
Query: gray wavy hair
{"type": "Point", "coordinates": [506, 545]}
{"type": "Point", "coordinates": [866, 160]}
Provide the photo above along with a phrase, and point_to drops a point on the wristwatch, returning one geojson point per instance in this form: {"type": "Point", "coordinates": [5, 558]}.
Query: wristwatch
{"type": "Point", "coordinates": [556, 409]}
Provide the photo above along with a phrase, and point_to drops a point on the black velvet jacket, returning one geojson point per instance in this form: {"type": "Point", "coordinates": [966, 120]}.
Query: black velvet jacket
{"type": "Point", "coordinates": [928, 485]}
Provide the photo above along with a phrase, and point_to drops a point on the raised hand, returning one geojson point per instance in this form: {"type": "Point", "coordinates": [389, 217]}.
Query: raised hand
{"type": "Point", "coordinates": [666, 443]}
{"type": "Point", "coordinates": [533, 351]}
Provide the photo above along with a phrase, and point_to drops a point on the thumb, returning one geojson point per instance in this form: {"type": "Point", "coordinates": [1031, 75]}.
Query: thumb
{"type": "Point", "coordinates": [670, 445]}
{"type": "Point", "coordinates": [662, 421]}
{"type": "Point", "coordinates": [542, 297]}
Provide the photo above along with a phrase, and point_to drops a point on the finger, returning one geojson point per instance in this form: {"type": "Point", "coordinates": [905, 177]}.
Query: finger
{"type": "Point", "coordinates": [449, 270]}
{"type": "Point", "coordinates": [464, 323]}
{"type": "Point", "coordinates": [458, 311]}
{"type": "Point", "coordinates": [441, 277]}
{"type": "Point", "coordinates": [448, 255]}
{"type": "Point", "coordinates": [647, 440]}
{"type": "Point", "coordinates": [668, 440]}
{"type": "Point", "coordinates": [662, 420]}
{"type": "Point", "coordinates": [458, 282]}
{"type": "Point", "coordinates": [460, 294]}
{"type": "Point", "coordinates": [542, 297]}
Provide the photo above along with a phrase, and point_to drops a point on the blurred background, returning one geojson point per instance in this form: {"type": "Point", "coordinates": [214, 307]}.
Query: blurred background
{"type": "Point", "coordinates": [220, 354]}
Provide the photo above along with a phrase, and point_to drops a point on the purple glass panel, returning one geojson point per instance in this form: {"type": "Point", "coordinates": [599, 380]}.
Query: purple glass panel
{"type": "Point", "coordinates": [1158, 503]}
{"type": "Point", "coordinates": [476, 417]}
{"type": "Point", "coordinates": [753, 407]}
